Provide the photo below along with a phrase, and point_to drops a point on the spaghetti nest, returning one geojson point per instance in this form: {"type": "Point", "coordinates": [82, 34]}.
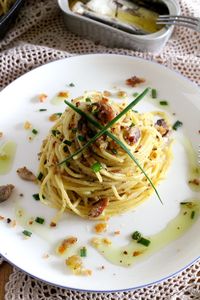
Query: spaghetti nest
{"type": "Point", "coordinates": [102, 180]}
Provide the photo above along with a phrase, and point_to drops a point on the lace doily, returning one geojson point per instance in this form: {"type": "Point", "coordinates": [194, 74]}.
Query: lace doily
{"type": "Point", "coordinates": [186, 286]}
{"type": "Point", "coordinates": [39, 36]}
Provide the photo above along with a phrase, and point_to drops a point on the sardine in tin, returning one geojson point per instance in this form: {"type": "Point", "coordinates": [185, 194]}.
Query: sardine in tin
{"type": "Point", "coordinates": [110, 36]}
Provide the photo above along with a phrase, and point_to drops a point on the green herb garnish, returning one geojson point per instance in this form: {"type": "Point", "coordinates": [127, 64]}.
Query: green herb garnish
{"type": "Point", "coordinates": [81, 138]}
{"type": "Point", "coordinates": [34, 131]}
{"type": "Point", "coordinates": [74, 130]}
{"type": "Point", "coordinates": [55, 132]}
{"type": "Point", "coordinates": [96, 167]}
{"type": "Point", "coordinates": [65, 148]}
{"type": "Point", "coordinates": [177, 124]}
{"type": "Point", "coordinates": [114, 151]}
{"type": "Point", "coordinates": [71, 84]}
{"type": "Point", "coordinates": [104, 130]}
{"type": "Point", "coordinates": [192, 214]}
{"type": "Point", "coordinates": [154, 93]}
{"type": "Point", "coordinates": [136, 235]}
{"type": "Point", "coordinates": [144, 242]}
{"type": "Point", "coordinates": [58, 114]}
{"type": "Point", "coordinates": [27, 233]}
{"type": "Point", "coordinates": [83, 252]}
{"type": "Point", "coordinates": [88, 99]}
{"type": "Point", "coordinates": [40, 175]}
{"type": "Point", "coordinates": [163, 102]}
{"type": "Point", "coordinates": [39, 220]}
{"type": "Point", "coordinates": [67, 142]}
{"type": "Point", "coordinates": [42, 109]}
{"type": "Point", "coordinates": [36, 197]}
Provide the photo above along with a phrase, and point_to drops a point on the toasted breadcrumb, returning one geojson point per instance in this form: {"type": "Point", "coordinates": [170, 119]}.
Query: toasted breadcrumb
{"type": "Point", "coordinates": [63, 94]}
{"type": "Point", "coordinates": [116, 232]}
{"type": "Point", "coordinates": [1, 134]}
{"type": "Point", "coordinates": [106, 241]}
{"type": "Point", "coordinates": [53, 224]}
{"type": "Point", "coordinates": [95, 242]}
{"type": "Point", "coordinates": [42, 97]}
{"type": "Point", "coordinates": [1, 218]}
{"type": "Point", "coordinates": [27, 125]}
{"type": "Point", "coordinates": [66, 243]}
{"type": "Point", "coordinates": [122, 94]}
{"type": "Point", "coordinates": [100, 227]}
{"type": "Point", "coordinates": [107, 93]}
{"type": "Point", "coordinates": [54, 117]}
{"type": "Point", "coordinates": [75, 263]}
{"type": "Point", "coordinates": [136, 253]}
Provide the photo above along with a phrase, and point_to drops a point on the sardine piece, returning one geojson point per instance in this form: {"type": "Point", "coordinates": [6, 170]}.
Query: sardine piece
{"type": "Point", "coordinates": [124, 15]}
{"type": "Point", "coordinates": [5, 192]}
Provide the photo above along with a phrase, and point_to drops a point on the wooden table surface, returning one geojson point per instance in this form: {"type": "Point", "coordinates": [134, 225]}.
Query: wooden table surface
{"type": "Point", "coordinates": [5, 271]}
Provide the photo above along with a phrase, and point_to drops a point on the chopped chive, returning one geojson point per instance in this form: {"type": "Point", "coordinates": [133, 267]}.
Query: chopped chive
{"type": "Point", "coordinates": [154, 93]}
{"type": "Point", "coordinates": [34, 131]}
{"type": "Point", "coordinates": [177, 124]}
{"type": "Point", "coordinates": [163, 102]}
{"type": "Point", "coordinates": [71, 84]}
{"type": "Point", "coordinates": [58, 114]}
{"type": "Point", "coordinates": [104, 130]}
{"type": "Point", "coordinates": [65, 148]}
{"type": "Point", "coordinates": [192, 214]}
{"type": "Point", "coordinates": [96, 167]}
{"type": "Point", "coordinates": [55, 132]}
{"type": "Point", "coordinates": [144, 242]}
{"type": "Point", "coordinates": [135, 94]}
{"type": "Point", "coordinates": [135, 111]}
{"type": "Point", "coordinates": [83, 252]}
{"type": "Point", "coordinates": [36, 197]}
{"type": "Point", "coordinates": [88, 99]}
{"type": "Point", "coordinates": [39, 220]}
{"type": "Point", "coordinates": [132, 124]}
{"type": "Point", "coordinates": [185, 203]}
{"type": "Point", "coordinates": [136, 235]}
{"type": "Point", "coordinates": [40, 176]}
{"type": "Point", "coordinates": [74, 130]}
{"type": "Point", "coordinates": [114, 151]}
{"type": "Point", "coordinates": [27, 233]}
{"type": "Point", "coordinates": [67, 142]}
{"type": "Point", "coordinates": [42, 109]}
{"type": "Point", "coordinates": [81, 138]}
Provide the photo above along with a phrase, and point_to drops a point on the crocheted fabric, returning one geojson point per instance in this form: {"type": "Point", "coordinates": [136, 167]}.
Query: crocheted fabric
{"type": "Point", "coordinates": [39, 36]}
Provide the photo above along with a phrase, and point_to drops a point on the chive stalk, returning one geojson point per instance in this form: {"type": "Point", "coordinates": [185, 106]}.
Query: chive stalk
{"type": "Point", "coordinates": [27, 233]}
{"type": "Point", "coordinates": [177, 124]}
{"type": "Point", "coordinates": [144, 242]}
{"type": "Point", "coordinates": [154, 93]}
{"type": "Point", "coordinates": [104, 130]}
{"type": "Point", "coordinates": [34, 131]}
{"type": "Point", "coordinates": [39, 220]}
{"type": "Point", "coordinates": [136, 235]}
{"type": "Point", "coordinates": [36, 197]}
{"type": "Point", "coordinates": [40, 175]}
{"type": "Point", "coordinates": [164, 103]}
{"type": "Point", "coordinates": [192, 214]}
{"type": "Point", "coordinates": [83, 252]}
{"type": "Point", "coordinates": [96, 167]}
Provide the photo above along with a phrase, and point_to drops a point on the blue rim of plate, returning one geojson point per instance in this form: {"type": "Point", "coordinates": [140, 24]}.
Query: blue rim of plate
{"type": "Point", "coordinates": [139, 286]}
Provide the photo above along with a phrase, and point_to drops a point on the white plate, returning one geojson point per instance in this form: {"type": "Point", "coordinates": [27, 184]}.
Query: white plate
{"type": "Point", "coordinates": [18, 103]}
